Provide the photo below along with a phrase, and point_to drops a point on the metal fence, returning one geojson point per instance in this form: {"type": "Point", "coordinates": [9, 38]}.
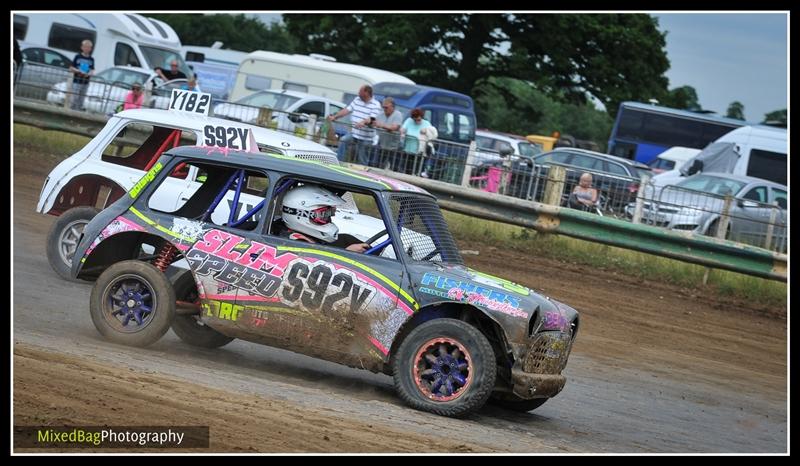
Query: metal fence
{"type": "Point", "coordinates": [741, 220]}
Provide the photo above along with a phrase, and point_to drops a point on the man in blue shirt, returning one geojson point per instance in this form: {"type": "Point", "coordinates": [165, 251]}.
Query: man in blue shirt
{"type": "Point", "coordinates": [82, 68]}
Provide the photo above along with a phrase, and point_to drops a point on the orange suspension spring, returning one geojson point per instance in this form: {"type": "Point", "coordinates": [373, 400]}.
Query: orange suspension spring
{"type": "Point", "coordinates": [165, 257]}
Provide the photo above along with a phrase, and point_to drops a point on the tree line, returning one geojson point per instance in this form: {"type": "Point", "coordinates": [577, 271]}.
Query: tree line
{"type": "Point", "coordinates": [528, 73]}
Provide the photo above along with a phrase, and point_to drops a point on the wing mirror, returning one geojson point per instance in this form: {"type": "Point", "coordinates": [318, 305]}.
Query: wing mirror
{"type": "Point", "coordinates": [746, 203]}
{"type": "Point", "coordinates": [506, 151]}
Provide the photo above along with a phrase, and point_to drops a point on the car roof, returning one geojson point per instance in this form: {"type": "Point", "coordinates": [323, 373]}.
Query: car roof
{"type": "Point", "coordinates": [511, 138]}
{"type": "Point", "coordinates": [197, 122]}
{"type": "Point", "coordinates": [336, 174]}
{"type": "Point", "coordinates": [743, 179]}
{"type": "Point", "coordinates": [592, 153]}
{"type": "Point", "coordinates": [299, 95]}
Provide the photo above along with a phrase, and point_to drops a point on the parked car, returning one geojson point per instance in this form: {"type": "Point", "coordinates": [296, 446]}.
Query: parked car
{"type": "Point", "coordinates": [696, 203]}
{"type": "Point", "coordinates": [490, 143]}
{"type": "Point", "coordinates": [108, 88]}
{"type": "Point", "coordinates": [616, 178]}
{"type": "Point", "coordinates": [291, 108]}
{"type": "Point", "coordinates": [97, 175]}
{"type": "Point", "coordinates": [450, 336]}
{"type": "Point", "coordinates": [41, 68]}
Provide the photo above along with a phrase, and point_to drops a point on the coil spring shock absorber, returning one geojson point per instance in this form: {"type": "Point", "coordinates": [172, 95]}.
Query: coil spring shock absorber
{"type": "Point", "coordinates": [165, 257]}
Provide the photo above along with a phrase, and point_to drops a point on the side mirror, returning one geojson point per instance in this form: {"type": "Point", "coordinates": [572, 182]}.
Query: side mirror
{"type": "Point", "coordinates": [745, 203]}
{"type": "Point", "coordinates": [506, 151]}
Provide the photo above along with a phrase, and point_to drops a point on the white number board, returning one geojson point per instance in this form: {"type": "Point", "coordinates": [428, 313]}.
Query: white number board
{"type": "Point", "coordinates": [230, 137]}
{"type": "Point", "coordinates": [190, 101]}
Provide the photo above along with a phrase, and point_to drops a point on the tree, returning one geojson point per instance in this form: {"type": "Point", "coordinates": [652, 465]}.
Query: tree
{"type": "Point", "coordinates": [237, 32]}
{"type": "Point", "coordinates": [615, 57]}
{"type": "Point", "coordinates": [735, 110]}
{"type": "Point", "coordinates": [776, 118]}
{"type": "Point", "coordinates": [682, 98]}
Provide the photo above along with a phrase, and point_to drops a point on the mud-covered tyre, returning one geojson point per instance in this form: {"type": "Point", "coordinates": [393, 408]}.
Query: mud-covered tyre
{"type": "Point", "coordinates": [514, 403]}
{"type": "Point", "coordinates": [63, 238]}
{"type": "Point", "coordinates": [445, 366]}
{"type": "Point", "coordinates": [132, 303]}
{"type": "Point", "coordinates": [188, 327]}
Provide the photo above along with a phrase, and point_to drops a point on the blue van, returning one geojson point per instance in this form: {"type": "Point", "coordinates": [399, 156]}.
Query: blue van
{"type": "Point", "coordinates": [452, 113]}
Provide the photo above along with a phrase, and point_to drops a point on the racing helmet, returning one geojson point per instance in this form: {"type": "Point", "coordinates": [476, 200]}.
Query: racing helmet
{"type": "Point", "coordinates": [308, 209]}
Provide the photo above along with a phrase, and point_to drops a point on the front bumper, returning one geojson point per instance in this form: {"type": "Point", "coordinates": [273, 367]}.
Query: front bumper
{"type": "Point", "coordinates": [527, 385]}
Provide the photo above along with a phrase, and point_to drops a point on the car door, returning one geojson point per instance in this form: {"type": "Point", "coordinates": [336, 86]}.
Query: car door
{"type": "Point", "coordinates": [331, 302]}
{"type": "Point", "coordinates": [750, 215]}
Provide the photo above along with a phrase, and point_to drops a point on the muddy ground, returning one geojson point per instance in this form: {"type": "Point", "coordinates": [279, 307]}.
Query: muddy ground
{"type": "Point", "coordinates": [655, 368]}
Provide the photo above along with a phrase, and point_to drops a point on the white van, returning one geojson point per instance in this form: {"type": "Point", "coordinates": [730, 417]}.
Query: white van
{"type": "Point", "coordinates": [120, 39]}
{"type": "Point", "coordinates": [757, 151]}
{"type": "Point", "coordinates": [672, 159]}
{"type": "Point", "coordinates": [313, 74]}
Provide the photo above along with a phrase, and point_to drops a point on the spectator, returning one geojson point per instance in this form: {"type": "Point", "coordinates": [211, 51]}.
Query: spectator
{"type": "Point", "coordinates": [584, 196]}
{"type": "Point", "coordinates": [191, 85]}
{"type": "Point", "coordinates": [426, 149]}
{"type": "Point", "coordinates": [135, 97]}
{"type": "Point", "coordinates": [172, 73]}
{"type": "Point", "coordinates": [365, 110]}
{"type": "Point", "coordinates": [82, 68]}
{"type": "Point", "coordinates": [411, 131]}
{"type": "Point", "coordinates": [307, 213]}
{"type": "Point", "coordinates": [388, 122]}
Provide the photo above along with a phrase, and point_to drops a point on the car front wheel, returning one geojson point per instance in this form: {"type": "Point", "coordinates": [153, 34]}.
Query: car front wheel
{"type": "Point", "coordinates": [445, 366]}
{"type": "Point", "coordinates": [132, 303]}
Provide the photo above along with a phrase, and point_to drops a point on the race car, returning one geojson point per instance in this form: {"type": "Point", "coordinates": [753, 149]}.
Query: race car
{"type": "Point", "coordinates": [281, 272]}
{"type": "Point", "coordinates": [99, 174]}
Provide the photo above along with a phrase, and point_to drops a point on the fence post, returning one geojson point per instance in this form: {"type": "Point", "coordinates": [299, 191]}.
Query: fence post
{"type": "Point", "coordinates": [637, 213]}
{"type": "Point", "coordinates": [312, 125]}
{"type": "Point", "coordinates": [468, 164]}
{"type": "Point", "coordinates": [725, 219]}
{"type": "Point", "coordinates": [554, 188]}
{"type": "Point", "coordinates": [773, 217]}
{"type": "Point", "coordinates": [68, 91]}
{"type": "Point", "coordinates": [264, 117]}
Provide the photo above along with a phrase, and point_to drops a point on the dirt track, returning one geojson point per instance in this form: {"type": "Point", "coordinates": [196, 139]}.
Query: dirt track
{"type": "Point", "coordinates": [655, 369]}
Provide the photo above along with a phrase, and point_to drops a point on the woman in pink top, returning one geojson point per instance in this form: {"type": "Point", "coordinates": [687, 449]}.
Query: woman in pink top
{"type": "Point", "coordinates": [135, 98]}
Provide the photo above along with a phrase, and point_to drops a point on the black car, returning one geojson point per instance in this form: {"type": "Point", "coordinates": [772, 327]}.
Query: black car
{"type": "Point", "coordinates": [615, 177]}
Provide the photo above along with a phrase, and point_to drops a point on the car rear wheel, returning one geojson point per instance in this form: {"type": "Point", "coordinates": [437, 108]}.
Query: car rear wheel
{"type": "Point", "coordinates": [132, 303]}
{"type": "Point", "coordinates": [63, 238]}
{"type": "Point", "coordinates": [188, 327]}
{"type": "Point", "coordinates": [445, 366]}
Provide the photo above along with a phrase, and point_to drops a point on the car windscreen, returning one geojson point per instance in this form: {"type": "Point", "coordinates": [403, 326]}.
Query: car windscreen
{"type": "Point", "coordinates": [424, 235]}
{"type": "Point", "coordinates": [122, 75]}
{"type": "Point", "coordinates": [269, 99]}
{"type": "Point", "coordinates": [712, 185]}
{"type": "Point", "coordinates": [161, 58]}
{"type": "Point", "coordinates": [526, 148]}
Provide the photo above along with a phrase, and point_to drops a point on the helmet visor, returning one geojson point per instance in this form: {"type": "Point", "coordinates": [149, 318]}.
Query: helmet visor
{"type": "Point", "coordinates": [322, 215]}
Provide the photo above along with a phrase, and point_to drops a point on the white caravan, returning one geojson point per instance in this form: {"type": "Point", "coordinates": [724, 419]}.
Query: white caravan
{"type": "Point", "coordinates": [313, 74]}
{"type": "Point", "coordinates": [120, 39]}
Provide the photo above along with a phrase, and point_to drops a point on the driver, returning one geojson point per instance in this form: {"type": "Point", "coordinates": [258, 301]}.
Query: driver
{"type": "Point", "coordinates": [307, 212]}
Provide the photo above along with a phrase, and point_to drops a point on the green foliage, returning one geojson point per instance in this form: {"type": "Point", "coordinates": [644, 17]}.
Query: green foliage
{"type": "Point", "coordinates": [735, 110]}
{"type": "Point", "coordinates": [682, 98]}
{"type": "Point", "coordinates": [777, 118]}
{"type": "Point", "coordinates": [237, 32]}
{"type": "Point", "coordinates": [615, 57]}
{"type": "Point", "coordinates": [515, 106]}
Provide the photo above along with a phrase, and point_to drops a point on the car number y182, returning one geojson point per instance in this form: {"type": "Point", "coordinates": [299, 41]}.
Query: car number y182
{"type": "Point", "coordinates": [189, 101]}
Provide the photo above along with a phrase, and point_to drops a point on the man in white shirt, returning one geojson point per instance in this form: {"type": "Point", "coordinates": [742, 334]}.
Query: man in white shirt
{"type": "Point", "coordinates": [365, 110]}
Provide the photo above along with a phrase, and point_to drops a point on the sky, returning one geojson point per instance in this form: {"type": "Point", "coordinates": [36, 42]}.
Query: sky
{"type": "Point", "coordinates": [726, 57]}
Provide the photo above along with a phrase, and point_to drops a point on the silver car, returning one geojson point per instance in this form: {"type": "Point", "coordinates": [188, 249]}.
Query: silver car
{"type": "Point", "coordinates": [41, 68]}
{"type": "Point", "coordinates": [696, 203]}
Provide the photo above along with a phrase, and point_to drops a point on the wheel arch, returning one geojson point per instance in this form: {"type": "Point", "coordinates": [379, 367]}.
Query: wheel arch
{"type": "Point", "coordinates": [86, 190]}
{"type": "Point", "coordinates": [119, 247]}
{"type": "Point", "coordinates": [472, 315]}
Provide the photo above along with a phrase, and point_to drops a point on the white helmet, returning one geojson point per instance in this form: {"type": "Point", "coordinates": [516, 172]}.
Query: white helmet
{"type": "Point", "coordinates": [308, 209]}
